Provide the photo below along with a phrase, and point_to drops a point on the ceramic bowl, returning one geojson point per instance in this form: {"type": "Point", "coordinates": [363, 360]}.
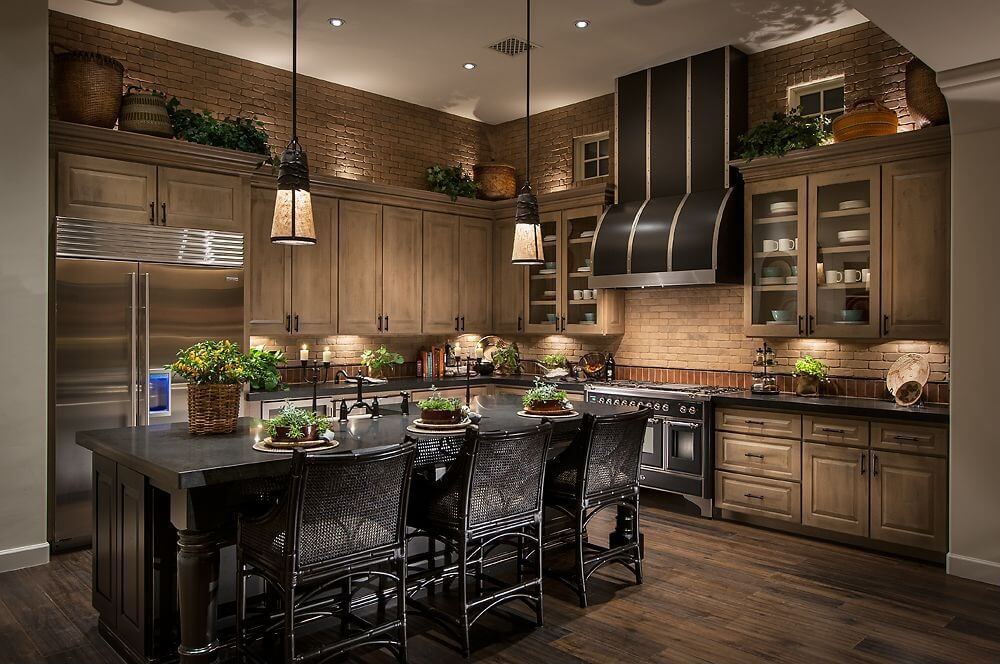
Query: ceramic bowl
{"type": "Point", "coordinates": [852, 315]}
{"type": "Point", "coordinates": [550, 317]}
{"type": "Point", "coordinates": [782, 315]}
{"type": "Point", "coordinates": [589, 316]}
{"type": "Point", "coordinates": [772, 271]}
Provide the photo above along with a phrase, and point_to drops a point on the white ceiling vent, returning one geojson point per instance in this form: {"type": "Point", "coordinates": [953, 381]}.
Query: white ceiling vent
{"type": "Point", "coordinates": [511, 46]}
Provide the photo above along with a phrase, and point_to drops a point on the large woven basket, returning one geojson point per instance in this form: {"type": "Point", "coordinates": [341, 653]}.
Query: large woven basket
{"type": "Point", "coordinates": [145, 112]}
{"type": "Point", "coordinates": [88, 88]}
{"type": "Point", "coordinates": [213, 408]}
{"type": "Point", "coordinates": [496, 181]}
{"type": "Point", "coordinates": [867, 117]}
{"type": "Point", "coordinates": [923, 96]}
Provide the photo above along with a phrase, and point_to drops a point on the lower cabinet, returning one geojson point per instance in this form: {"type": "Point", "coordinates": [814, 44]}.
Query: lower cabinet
{"type": "Point", "coordinates": [835, 488]}
{"type": "Point", "coordinates": [774, 499]}
{"type": "Point", "coordinates": [909, 500]}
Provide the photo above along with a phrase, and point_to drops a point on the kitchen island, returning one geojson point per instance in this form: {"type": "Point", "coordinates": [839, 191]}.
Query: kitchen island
{"type": "Point", "coordinates": [165, 504]}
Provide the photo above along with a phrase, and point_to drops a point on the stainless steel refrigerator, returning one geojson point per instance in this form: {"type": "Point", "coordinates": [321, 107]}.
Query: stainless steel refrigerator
{"type": "Point", "coordinates": [128, 297]}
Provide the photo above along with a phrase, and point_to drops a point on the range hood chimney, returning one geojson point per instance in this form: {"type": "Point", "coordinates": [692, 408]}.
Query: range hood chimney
{"type": "Point", "coordinates": [678, 212]}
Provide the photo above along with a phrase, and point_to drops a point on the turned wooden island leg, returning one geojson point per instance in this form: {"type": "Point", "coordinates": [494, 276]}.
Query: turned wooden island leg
{"type": "Point", "coordinates": [197, 593]}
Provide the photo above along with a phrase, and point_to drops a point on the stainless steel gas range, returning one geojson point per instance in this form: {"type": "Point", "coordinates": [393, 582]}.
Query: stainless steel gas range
{"type": "Point", "coordinates": [677, 451]}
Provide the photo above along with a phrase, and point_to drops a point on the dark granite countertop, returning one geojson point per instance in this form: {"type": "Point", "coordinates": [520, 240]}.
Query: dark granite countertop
{"type": "Point", "coordinates": [873, 408]}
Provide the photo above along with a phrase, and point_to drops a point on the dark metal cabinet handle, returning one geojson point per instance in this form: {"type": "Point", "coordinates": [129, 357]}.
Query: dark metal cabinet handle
{"type": "Point", "coordinates": [909, 439]}
{"type": "Point", "coordinates": [152, 213]}
{"type": "Point", "coordinates": [296, 322]}
{"type": "Point", "coordinates": [885, 324]}
{"type": "Point", "coordinates": [812, 324]}
{"type": "Point", "coordinates": [832, 430]}
{"type": "Point", "coordinates": [758, 422]}
{"type": "Point", "coordinates": [288, 322]}
{"type": "Point", "coordinates": [519, 322]}
{"type": "Point", "coordinates": [457, 328]}
{"type": "Point", "coordinates": [557, 324]}
{"type": "Point", "coordinates": [754, 496]}
{"type": "Point", "coordinates": [801, 320]}
{"type": "Point", "coordinates": [387, 322]}
{"type": "Point", "coordinates": [163, 214]}
{"type": "Point", "coordinates": [874, 464]}
{"type": "Point", "coordinates": [463, 323]}
{"type": "Point", "coordinates": [563, 323]}
{"type": "Point", "coordinates": [863, 456]}
{"type": "Point", "coordinates": [754, 456]}
{"type": "Point", "coordinates": [380, 323]}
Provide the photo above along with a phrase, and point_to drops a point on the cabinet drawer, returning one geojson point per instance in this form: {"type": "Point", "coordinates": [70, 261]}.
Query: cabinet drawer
{"type": "Point", "coordinates": [835, 430]}
{"type": "Point", "coordinates": [759, 422]}
{"type": "Point", "coordinates": [775, 499]}
{"type": "Point", "coordinates": [758, 455]}
{"type": "Point", "coordinates": [910, 438]}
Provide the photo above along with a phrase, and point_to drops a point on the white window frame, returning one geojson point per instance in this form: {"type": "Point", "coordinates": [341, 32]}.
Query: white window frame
{"type": "Point", "coordinates": [796, 92]}
{"type": "Point", "coordinates": [578, 159]}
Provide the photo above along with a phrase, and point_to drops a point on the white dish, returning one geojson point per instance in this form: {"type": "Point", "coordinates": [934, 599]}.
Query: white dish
{"type": "Point", "coordinates": [430, 426]}
{"type": "Point", "coordinates": [908, 367]}
{"type": "Point", "coordinates": [549, 293]}
{"type": "Point", "coordinates": [546, 271]}
{"type": "Point", "coordinates": [549, 238]}
{"type": "Point", "coordinates": [784, 206]}
{"type": "Point", "coordinates": [850, 322]}
{"type": "Point", "coordinates": [791, 280]}
{"type": "Point", "coordinates": [853, 236]}
{"type": "Point", "coordinates": [772, 281]}
{"type": "Point", "coordinates": [524, 413]}
{"type": "Point", "coordinates": [587, 234]}
{"type": "Point", "coordinates": [852, 204]}
{"type": "Point", "coordinates": [583, 269]}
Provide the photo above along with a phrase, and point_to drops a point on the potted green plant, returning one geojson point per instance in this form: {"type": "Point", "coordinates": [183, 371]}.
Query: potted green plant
{"type": "Point", "coordinates": [234, 133]}
{"type": "Point", "coordinates": [783, 133]}
{"type": "Point", "coordinates": [809, 373]}
{"type": "Point", "coordinates": [215, 372]}
{"type": "Point", "coordinates": [436, 409]}
{"type": "Point", "coordinates": [296, 426]}
{"type": "Point", "coordinates": [506, 358]}
{"type": "Point", "coordinates": [262, 369]}
{"type": "Point", "coordinates": [545, 398]}
{"type": "Point", "coordinates": [376, 361]}
{"type": "Point", "coordinates": [451, 180]}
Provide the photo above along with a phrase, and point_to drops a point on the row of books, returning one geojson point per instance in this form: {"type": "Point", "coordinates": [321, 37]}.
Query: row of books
{"type": "Point", "coordinates": [431, 363]}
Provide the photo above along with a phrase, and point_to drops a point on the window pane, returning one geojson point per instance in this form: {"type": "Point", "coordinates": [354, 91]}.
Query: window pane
{"type": "Point", "coordinates": [590, 150]}
{"type": "Point", "coordinates": [602, 166]}
{"type": "Point", "coordinates": [834, 115]}
{"type": "Point", "coordinates": [833, 99]}
{"type": "Point", "coordinates": [603, 148]}
{"type": "Point", "coordinates": [809, 103]}
{"type": "Point", "coordinates": [590, 169]}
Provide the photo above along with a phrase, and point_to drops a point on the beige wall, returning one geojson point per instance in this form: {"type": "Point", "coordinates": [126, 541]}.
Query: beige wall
{"type": "Point", "coordinates": [24, 279]}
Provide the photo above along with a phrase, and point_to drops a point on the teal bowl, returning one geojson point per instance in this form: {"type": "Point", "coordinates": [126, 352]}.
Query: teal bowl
{"type": "Point", "coordinates": [783, 315]}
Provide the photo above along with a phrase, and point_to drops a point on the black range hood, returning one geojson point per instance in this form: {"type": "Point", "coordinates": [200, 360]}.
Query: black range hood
{"type": "Point", "coordinates": [678, 216]}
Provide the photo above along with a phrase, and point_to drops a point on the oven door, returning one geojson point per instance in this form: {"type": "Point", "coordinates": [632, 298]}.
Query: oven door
{"type": "Point", "coordinates": [652, 443]}
{"type": "Point", "coordinates": [684, 447]}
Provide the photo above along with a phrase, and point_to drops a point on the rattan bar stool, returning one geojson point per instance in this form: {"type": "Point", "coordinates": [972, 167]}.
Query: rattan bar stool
{"type": "Point", "coordinates": [338, 531]}
{"type": "Point", "coordinates": [490, 496]}
{"type": "Point", "coordinates": [600, 469]}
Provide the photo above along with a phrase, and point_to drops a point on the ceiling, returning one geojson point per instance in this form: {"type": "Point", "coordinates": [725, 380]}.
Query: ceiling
{"type": "Point", "coordinates": [414, 49]}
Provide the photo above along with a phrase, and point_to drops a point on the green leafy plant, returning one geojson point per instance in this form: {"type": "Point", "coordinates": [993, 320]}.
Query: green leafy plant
{"type": "Point", "coordinates": [262, 369]}
{"type": "Point", "coordinates": [810, 366]}
{"type": "Point", "coordinates": [543, 391]}
{"type": "Point", "coordinates": [436, 402]}
{"type": "Point", "coordinates": [296, 420]}
{"type": "Point", "coordinates": [380, 358]}
{"type": "Point", "coordinates": [554, 361]}
{"type": "Point", "coordinates": [507, 358]}
{"type": "Point", "coordinates": [235, 133]}
{"type": "Point", "coordinates": [783, 133]}
{"type": "Point", "coordinates": [451, 180]}
{"type": "Point", "coordinates": [211, 363]}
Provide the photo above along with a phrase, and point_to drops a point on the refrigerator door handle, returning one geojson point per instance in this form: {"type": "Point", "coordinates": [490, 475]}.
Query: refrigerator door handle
{"type": "Point", "coordinates": [144, 353]}
{"type": "Point", "coordinates": [133, 349]}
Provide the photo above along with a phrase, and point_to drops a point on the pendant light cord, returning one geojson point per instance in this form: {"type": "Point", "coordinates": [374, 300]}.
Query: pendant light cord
{"type": "Point", "coordinates": [527, 102]}
{"type": "Point", "coordinates": [295, 51]}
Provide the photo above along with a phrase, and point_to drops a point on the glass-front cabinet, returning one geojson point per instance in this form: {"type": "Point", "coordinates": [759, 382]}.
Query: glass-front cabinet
{"type": "Point", "coordinates": [545, 281]}
{"type": "Point", "coordinates": [580, 313]}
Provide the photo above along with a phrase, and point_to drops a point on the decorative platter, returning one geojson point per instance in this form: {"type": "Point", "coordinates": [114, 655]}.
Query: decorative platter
{"type": "Point", "coordinates": [909, 367]}
{"type": "Point", "coordinates": [569, 412]}
{"type": "Point", "coordinates": [430, 426]}
{"type": "Point", "coordinates": [311, 445]}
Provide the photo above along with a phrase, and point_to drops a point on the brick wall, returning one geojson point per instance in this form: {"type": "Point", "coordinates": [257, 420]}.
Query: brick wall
{"type": "Point", "coordinates": [346, 132]}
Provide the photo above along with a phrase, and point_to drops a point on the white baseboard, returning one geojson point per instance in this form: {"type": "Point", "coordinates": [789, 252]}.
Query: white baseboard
{"type": "Point", "coordinates": [986, 571]}
{"type": "Point", "coordinates": [24, 556]}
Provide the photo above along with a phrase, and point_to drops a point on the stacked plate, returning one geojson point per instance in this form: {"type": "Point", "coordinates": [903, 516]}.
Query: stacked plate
{"type": "Point", "coordinates": [772, 281]}
{"type": "Point", "coordinates": [854, 237]}
{"type": "Point", "coordinates": [549, 238]}
{"type": "Point", "coordinates": [587, 234]}
{"type": "Point", "coordinates": [784, 207]}
{"type": "Point", "coordinates": [853, 204]}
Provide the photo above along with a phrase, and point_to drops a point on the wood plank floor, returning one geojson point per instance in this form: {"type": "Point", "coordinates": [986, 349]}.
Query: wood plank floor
{"type": "Point", "coordinates": [714, 592]}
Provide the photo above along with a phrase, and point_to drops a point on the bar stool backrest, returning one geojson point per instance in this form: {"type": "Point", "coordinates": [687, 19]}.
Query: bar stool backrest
{"type": "Point", "coordinates": [613, 445]}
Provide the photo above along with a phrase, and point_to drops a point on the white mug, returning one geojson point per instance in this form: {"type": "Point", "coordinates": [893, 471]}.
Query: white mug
{"type": "Point", "coordinates": [770, 245]}
{"type": "Point", "coordinates": [589, 294]}
{"type": "Point", "coordinates": [866, 275]}
{"type": "Point", "coordinates": [834, 277]}
{"type": "Point", "coordinates": [852, 276]}
{"type": "Point", "coordinates": [787, 244]}
{"type": "Point", "coordinates": [578, 295]}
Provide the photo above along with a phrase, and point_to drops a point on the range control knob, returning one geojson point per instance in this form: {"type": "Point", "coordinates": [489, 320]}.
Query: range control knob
{"type": "Point", "coordinates": [656, 406]}
{"type": "Point", "coordinates": [631, 403]}
{"type": "Point", "coordinates": [684, 409]}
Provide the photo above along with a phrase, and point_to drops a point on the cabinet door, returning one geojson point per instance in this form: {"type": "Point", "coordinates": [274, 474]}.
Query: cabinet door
{"type": "Point", "coordinates": [402, 270]}
{"type": "Point", "coordinates": [270, 306]}
{"type": "Point", "coordinates": [543, 283]}
{"type": "Point", "coordinates": [835, 488]}
{"type": "Point", "coordinates": [106, 189]}
{"type": "Point", "coordinates": [104, 546]}
{"type": "Point", "coordinates": [314, 275]}
{"type": "Point", "coordinates": [508, 282]}
{"type": "Point", "coordinates": [916, 212]}
{"type": "Point", "coordinates": [194, 199]}
{"type": "Point", "coordinates": [844, 255]}
{"type": "Point", "coordinates": [909, 500]}
{"type": "Point", "coordinates": [131, 524]}
{"type": "Point", "coordinates": [775, 258]}
{"type": "Point", "coordinates": [579, 313]}
{"type": "Point", "coordinates": [441, 262]}
{"type": "Point", "coordinates": [360, 264]}
{"type": "Point", "coordinates": [474, 275]}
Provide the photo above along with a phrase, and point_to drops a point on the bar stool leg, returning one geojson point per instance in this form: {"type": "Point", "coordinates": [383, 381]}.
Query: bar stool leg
{"type": "Point", "coordinates": [580, 569]}
{"type": "Point", "coordinates": [290, 625]}
{"type": "Point", "coordinates": [241, 609]}
{"type": "Point", "coordinates": [463, 589]}
{"type": "Point", "coordinates": [539, 613]}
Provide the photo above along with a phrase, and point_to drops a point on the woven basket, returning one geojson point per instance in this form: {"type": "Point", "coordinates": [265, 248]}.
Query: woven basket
{"type": "Point", "coordinates": [88, 88]}
{"type": "Point", "coordinates": [145, 112]}
{"type": "Point", "coordinates": [923, 96]}
{"type": "Point", "coordinates": [862, 122]}
{"type": "Point", "coordinates": [213, 408]}
{"type": "Point", "coordinates": [496, 181]}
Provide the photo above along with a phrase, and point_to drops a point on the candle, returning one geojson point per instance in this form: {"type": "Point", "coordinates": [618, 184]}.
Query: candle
{"type": "Point", "coordinates": [479, 352]}
{"type": "Point", "coordinates": [304, 353]}
{"type": "Point", "coordinates": [327, 355]}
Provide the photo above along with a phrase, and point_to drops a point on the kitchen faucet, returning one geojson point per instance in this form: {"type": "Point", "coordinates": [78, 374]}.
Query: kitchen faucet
{"type": "Point", "coordinates": [369, 408]}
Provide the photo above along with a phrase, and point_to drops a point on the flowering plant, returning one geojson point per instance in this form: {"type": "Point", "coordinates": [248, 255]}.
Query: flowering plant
{"type": "Point", "coordinates": [211, 363]}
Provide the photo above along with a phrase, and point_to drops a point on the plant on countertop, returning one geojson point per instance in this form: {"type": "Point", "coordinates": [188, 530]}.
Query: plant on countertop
{"type": "Point", "coordinates": [262, 369]}
{"type": "Point", "coordinates": [506, 358]}
{"type": "Point", "coordinates": [235, 133]}
{"type": "Point", "coordinates": [810, 366]}
{"type": "Point", "coordinates": [554, 361]}
{"type": "Point", "coordinates": [544, 392]}
{"type": "Point", "coordinates": [435, 402]}
{"type": "Point", "coordinates": [297, 421]}
{"type": "Point", "coordinates": [211, 363]}
{"type": "Point", "coordinates": [783, 133]}
{"type": "Point", "coordinates": [377, 360]}
{"type": "Point", "coordinates": [452, 180]}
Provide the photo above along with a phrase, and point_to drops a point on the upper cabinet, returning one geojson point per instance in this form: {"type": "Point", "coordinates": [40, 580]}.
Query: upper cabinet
{"type": "Point", "coordinates": [475, 239]}
{"type": "Point", "coordinates": [192, 199]}
{"type": "Point", "coordinates": [360, 267]}
{"type": "Point", "coordinates": [402, 270]}
{"type": "Point", "coordinates": [441, 273]}
{"type": "Point", "coordinates": [508, 282]}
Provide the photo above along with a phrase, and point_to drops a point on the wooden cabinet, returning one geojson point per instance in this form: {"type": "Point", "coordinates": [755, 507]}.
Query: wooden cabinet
{"type": "Point", "coordinates": [835, 488]}
{"type": "Point", "coordinates": [475, 284]}
{"type": "Point", "coordinates": [193, 199]}
{"type": "Point", "coordinates": [760, 496]}
{"type": "Point", "coordinates": [544, 283]}
{"type": "Point", "coordinates": [441, 269]}
{"type": "Point", "coordinates": [916, 208]}
{"type": "Point", "coordinates": [909, 500]}
{"type": "Point", "coordinates": [106, 189]}
{"type": "Point", "coordinates": [402, 270]}
{"type": "Point", "coordinates": [270, 270]}
{"type": "Point", "coordinates": [758, 455]}
{"type": "Point", "coordinates": [508, 282]}
{"type": "Point", "coordinates": [904, 437]}
{"type": "Point", "coordinates": [835, 430]}
{"type": "Point", "coordinates": [760, 422]}
{"type": "Point", "coordinates": [360, 265]}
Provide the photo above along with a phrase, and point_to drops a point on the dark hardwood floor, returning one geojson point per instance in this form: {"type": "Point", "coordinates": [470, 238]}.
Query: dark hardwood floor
{"type": "Point", "coordinates": [714, 592]}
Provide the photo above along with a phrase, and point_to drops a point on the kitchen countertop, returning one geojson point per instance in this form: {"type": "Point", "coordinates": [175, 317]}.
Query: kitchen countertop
{"type": "Point", "coordinates": [873, 408]}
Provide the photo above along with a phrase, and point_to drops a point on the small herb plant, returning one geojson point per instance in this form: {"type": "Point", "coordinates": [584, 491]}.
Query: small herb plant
{"type": "Point", "coordinates": [380, 358]}
{"type": "Point", "coordinates": [235, 133]}
{"type": "Point", "coordinates": [783, 133]}
{"type": "Point", "coordinates": [296, 420]}
{"type": "Point", "coordinates": [543, 391]}
{"type": "Point", "coordinates": [262, 369]}
{"type": "Point", "coordinates": [554, 361]}
{"type": "Point", "coordinates": [810, 366]}
{"type": "Point", "coordinates": [451, 180]}
{"type": "Point", "coordinates": [507, 357]}
{"type": "Point", "coordinates": [435, 402]}
{"type": "Point", "coordinates": [211, 363]}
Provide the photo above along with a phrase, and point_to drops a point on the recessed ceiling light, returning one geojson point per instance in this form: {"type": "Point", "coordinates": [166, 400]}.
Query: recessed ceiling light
{"type": "Point", "coordinates": [469, 65]}
{"type": "Point", "coordinates": [582, 23]}
{"type": "Point", "coordinates": [336, 22]}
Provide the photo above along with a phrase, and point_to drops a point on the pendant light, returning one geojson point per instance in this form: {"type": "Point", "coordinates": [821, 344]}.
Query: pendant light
{"type": "Point", "coordinates": [527, 227]}
{"type": "Point", "coordinates": [293, 215]}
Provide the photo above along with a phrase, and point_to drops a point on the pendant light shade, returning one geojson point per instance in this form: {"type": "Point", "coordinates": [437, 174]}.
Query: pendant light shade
{"type": "Point", "coordinates": [293, 215]}
{"type": "Point", "coordinates": [528, 248]}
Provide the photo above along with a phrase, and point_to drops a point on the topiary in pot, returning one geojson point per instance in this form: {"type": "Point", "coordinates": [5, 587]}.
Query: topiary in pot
{"type": "Point", "coordinates": [809, 374]}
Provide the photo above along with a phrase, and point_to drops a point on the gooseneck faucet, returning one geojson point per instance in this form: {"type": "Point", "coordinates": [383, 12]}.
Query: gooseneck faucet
{"type": "Point", "coordinates": [360, 400]}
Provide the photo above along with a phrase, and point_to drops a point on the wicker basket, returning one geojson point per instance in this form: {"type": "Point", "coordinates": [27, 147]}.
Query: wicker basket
{"type": "Point", "coordinates": [88, 88]}
{"type": "Point", "coordinates": [145, 112]}
{"type": "Point", "coordinates": [923, 96]}
{"type": "Point", "coordinates": [496, 181]}
{"type": "Point", "coordinates": [862, 122]}
{"type": "Point", "coordinates": [213, 408]}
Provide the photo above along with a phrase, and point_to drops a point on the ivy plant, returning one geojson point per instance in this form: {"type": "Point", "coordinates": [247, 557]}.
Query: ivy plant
{"type": "Point", "coordinates": [235, 133]}
{"type": "Point", "coordinates": [452, 180]}
{"type": "Point", "coordinates": [783, 133]}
